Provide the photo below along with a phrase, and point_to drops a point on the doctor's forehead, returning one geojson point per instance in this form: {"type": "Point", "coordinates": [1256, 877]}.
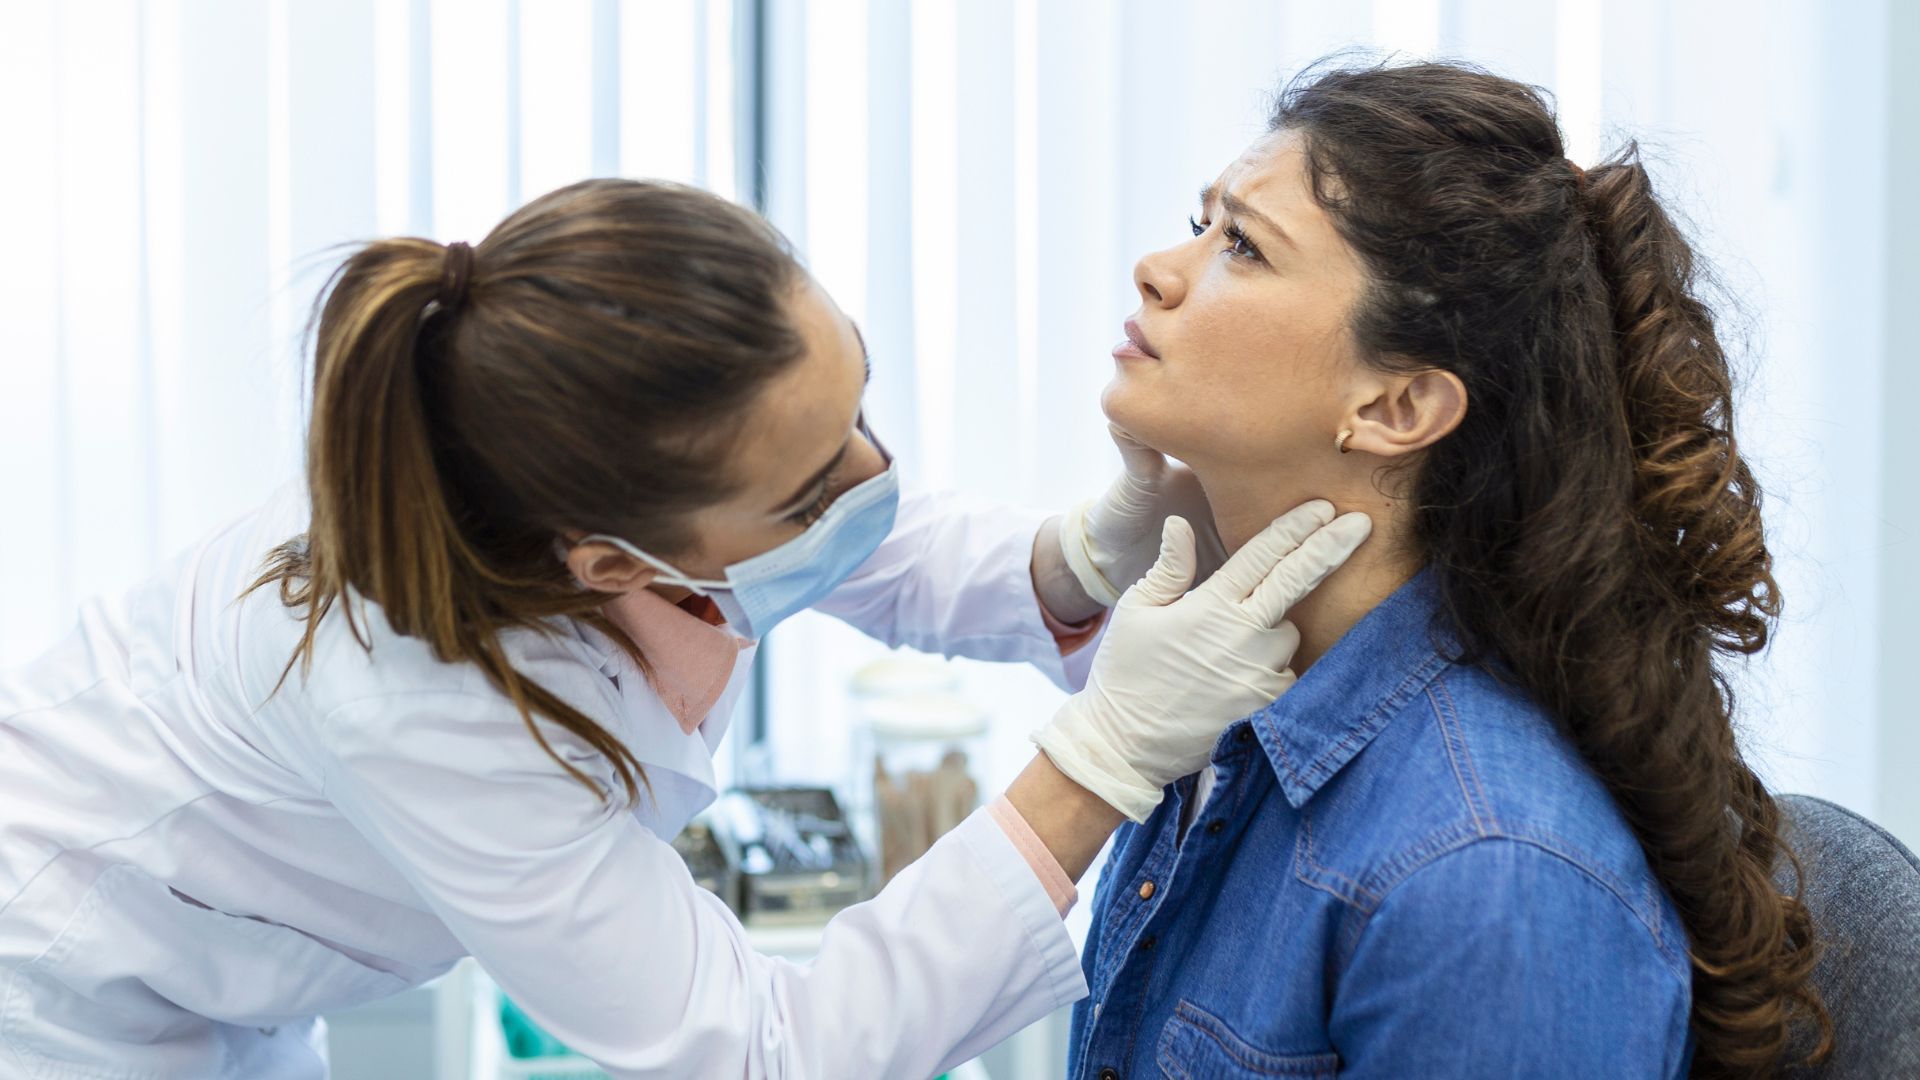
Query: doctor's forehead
{"type": "Point", "coordinates": [804, 415]}
{"type": "Point", "coordinates": [829, 335]}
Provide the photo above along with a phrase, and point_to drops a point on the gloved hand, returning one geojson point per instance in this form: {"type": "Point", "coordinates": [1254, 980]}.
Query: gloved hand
{"type": "Point", "coordinates": [1109, 542]}
{"type": "Point", "coordinates": [1178, 667]}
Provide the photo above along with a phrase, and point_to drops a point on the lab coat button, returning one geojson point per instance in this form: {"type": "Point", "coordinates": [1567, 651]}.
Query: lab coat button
{"type": "Point", "coordinates": [1146, 891]}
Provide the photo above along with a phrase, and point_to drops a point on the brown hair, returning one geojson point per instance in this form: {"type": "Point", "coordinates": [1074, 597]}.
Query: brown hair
{"type": "Point", "coordinates": [1591, 524]}
{"type": "Point", "coordinates": [576, 370]}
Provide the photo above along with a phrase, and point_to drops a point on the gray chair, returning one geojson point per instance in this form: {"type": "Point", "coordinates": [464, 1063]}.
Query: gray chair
{"type": "Point", "coordinates": [1863, 888]}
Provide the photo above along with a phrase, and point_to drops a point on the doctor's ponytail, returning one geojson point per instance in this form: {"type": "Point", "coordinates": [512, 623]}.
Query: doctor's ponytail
{"type": "Point", "coordinates": [472, 406]}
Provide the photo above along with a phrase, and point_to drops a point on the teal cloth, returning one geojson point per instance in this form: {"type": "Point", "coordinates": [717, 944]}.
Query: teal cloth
{"type": "Point", "coordinates": [526, 1039]}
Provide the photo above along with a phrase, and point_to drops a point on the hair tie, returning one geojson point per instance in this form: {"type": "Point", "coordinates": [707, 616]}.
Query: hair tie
{"type": "Point", "coordinates": [1579, 175]}
{"type": "Point", "coordinates": [456, 272]}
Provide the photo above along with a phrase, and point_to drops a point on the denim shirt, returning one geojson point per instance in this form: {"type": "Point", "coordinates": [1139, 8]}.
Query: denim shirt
{"type": "Point", "coordinates": [1403, 870]}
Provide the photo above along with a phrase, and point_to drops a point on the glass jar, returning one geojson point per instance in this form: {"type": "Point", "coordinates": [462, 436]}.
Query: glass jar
{"type": "Point", "coordinates": [917, 740]}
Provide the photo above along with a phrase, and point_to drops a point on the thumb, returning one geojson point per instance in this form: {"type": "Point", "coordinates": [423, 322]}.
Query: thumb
{"type": "Point", "coordinates": [1170, 576]}
{"type": "Point", "coordinates": [1143, 463]}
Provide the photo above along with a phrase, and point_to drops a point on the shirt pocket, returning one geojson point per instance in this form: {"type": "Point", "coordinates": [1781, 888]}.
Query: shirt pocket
{"type": "Point", "coordinates": [1197, 1045]}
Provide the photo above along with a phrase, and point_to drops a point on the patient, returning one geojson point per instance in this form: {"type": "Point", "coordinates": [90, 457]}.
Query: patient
{"type": "Point", "coordinates": [1501, 826]}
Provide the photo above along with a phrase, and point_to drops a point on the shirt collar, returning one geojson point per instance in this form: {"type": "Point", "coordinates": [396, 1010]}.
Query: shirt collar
{"type": "Point", "coordinates": [691, 659]}
{"type": "Point", "coordinates": [1349, 694]}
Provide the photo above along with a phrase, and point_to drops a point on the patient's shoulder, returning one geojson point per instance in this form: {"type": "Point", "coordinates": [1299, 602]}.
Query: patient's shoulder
{"type": "Point", "coordinates": [1469, 759]}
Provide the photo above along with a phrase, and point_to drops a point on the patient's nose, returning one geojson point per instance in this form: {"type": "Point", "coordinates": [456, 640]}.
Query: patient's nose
{"type": "Point", "coordinates": [1158, 282]}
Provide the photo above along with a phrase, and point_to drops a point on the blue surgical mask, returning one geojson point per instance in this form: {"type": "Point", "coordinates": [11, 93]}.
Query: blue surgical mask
{"type": "Point", "coordinates": [758, 593]}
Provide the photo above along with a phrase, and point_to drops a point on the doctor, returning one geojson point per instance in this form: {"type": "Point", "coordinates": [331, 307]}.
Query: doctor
{"type": "Point", "coordinates": [456, 692]}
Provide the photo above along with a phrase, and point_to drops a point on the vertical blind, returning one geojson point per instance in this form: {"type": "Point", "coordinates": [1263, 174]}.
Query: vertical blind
{"type": "Point", "coordinates": [971, 179]}
{"type": "Point", "coordinates": [974, 180]}
{"type": "Point", "coordinates": [181, 174]}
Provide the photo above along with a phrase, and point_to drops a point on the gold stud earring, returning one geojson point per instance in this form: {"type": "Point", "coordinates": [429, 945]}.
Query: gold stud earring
{"type": "Point", "coordinates": [1340, 440]}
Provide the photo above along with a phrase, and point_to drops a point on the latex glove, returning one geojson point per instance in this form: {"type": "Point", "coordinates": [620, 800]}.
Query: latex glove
{"type": "Point", "coordinates": [1109, 542]}
{"type": "Point", "coordinates": [1178, 667]}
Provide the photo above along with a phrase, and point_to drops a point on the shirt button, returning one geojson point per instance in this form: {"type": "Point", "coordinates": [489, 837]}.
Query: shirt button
{"type": "Point", "coordinates": [1146, 891]}
{"type": "Point", "coordinates": [1146, 943]}
{"type": "Point", "coordinates": [1214, 827]}
{"type": "Point", "coordinates": [1109, 1074]}
{"type": "Point", "coordinates": [1244, 735]}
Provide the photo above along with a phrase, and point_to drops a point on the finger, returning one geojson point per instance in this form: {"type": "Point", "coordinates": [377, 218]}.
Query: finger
{"type": "Point", "coordinates": [1302, 571]}
{"type": "Point", "coordinates": [1239, 576]}
{"type": "Point", "coordinates": [1211, 553]}
{"type": "Point", "coordinates": [1142, 462]}
{"type": "Point", "coordinates": [1172, 574]}
{"type": "Point", "coordinates": [1274, 648]}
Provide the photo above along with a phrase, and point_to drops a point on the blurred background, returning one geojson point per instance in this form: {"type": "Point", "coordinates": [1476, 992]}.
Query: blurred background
{"type": "Point", "coordinates": [972, 180]}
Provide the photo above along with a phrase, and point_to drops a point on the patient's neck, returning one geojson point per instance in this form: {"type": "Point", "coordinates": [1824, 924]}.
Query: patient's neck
{"type": "Point", "coordinates": [1246, 501]}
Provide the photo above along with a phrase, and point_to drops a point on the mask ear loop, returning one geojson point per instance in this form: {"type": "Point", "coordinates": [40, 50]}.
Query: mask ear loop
{"type": "Point", "coordinates": [668, 574]}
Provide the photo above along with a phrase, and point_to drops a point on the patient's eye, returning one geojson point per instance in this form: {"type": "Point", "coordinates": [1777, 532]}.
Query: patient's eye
{"type": "Point", "coordinates": [1239, 245]}
{"type": "Point", "coordinates": [1242, 247]}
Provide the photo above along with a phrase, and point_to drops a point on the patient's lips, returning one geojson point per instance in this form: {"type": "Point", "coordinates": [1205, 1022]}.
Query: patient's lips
{"type": "Point", "coordinates": [1136, 347]}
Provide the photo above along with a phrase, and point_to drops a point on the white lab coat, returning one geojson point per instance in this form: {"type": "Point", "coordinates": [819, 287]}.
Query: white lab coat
{"type": "Point", "coordinates": [189, 876]}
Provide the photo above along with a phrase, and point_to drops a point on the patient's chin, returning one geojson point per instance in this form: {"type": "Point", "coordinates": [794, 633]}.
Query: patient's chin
{"type": "Point", "coordinates": [1147, 416]}
{"type": "Point", "coordinates": [1129, 406]}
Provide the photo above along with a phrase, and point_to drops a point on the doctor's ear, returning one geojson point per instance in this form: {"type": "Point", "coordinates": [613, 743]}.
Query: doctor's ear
{"type": "Point", "coordinates": [605, 568]}
{"type": "Point", "coordinates": [1407, 413]}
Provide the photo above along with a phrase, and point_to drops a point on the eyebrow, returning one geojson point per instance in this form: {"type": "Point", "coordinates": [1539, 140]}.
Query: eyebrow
{"type": "Point", "coordinates": [1235, 205]}
{"type": "Point", "coordinates": [807, 490]}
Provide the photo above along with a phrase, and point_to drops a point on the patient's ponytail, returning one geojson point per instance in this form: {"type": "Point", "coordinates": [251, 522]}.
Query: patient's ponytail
{"type": "Point", "coordinates": [1592, 527]}
{"type": "Point", "coordinates": [578, 370]}
{"type": "Point", "coordinates": [1700, 538]}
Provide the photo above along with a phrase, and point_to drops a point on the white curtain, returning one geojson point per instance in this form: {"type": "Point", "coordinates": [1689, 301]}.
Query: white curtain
{"type": "Point", "coordinates": [973, 180]}
{"type": "Point", "coordinates": [177, 177]}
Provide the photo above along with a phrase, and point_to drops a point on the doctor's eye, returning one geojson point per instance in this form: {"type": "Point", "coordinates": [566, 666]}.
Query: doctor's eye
{"type": "Point", "coordinates": [811, 512]}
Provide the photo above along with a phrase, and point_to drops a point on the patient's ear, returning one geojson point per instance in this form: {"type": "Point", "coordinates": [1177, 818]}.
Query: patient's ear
{"type": "Point", "coordinates": [1407, 413]}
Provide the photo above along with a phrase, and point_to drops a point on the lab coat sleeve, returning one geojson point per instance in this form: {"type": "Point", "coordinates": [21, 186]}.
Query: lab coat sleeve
{"type": "Point", "coordinates": [955, 577]}
{"type": "Point", "coordinates": [592, 924]}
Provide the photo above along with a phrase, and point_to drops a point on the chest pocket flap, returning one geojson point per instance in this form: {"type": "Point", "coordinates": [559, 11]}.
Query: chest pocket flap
{"type": "Point", "coordinates": [1196, 1045]}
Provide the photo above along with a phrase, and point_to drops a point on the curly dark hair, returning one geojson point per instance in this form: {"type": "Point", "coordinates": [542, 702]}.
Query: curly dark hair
{"type": "Point", "coordinates": [1592, 527]}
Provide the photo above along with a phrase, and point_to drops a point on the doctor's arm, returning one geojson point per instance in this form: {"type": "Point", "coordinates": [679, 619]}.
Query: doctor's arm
{"type": "Point", "coordinates": [1176, 668]}
{"type": "Point", "coordinates": [591, 923]}
{"type": "Point", "coordinates": [964, 577]}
